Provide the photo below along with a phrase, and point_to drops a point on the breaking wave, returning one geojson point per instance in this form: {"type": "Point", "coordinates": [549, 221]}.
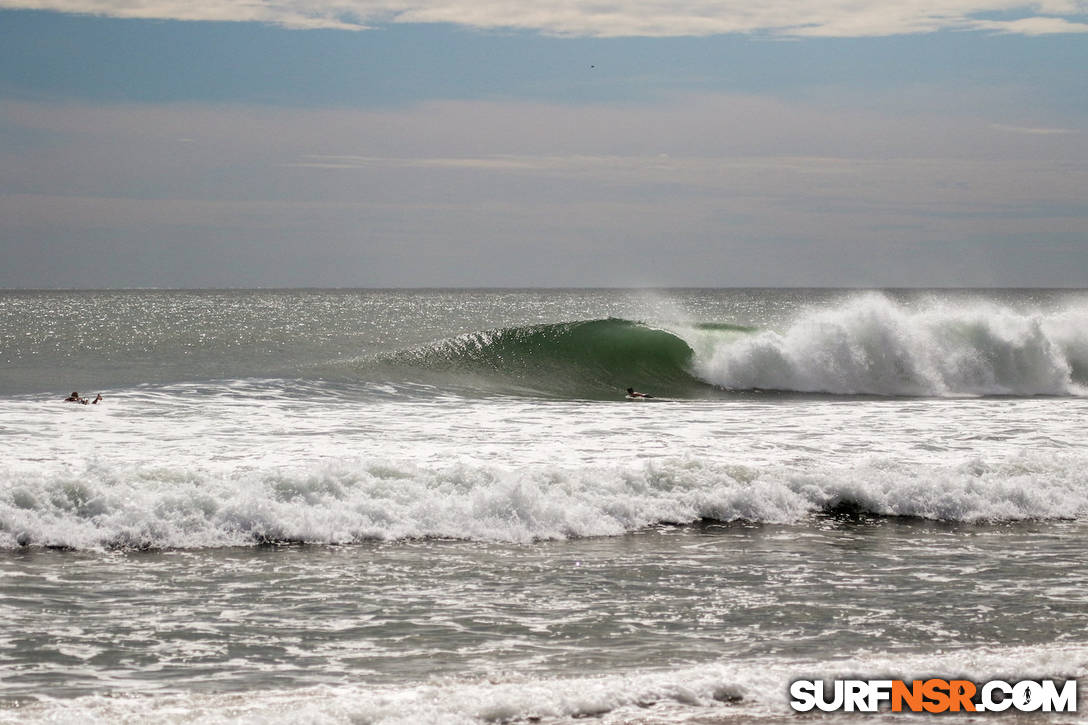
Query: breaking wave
{"type": "Point", "coordinates": [583, 359]}
{"type": "Point", "coordinates": [869, 345]}
{"type": "Point", "coordinates": [141, 507]}
{"type": "Point", "coordinates": [872, 345]}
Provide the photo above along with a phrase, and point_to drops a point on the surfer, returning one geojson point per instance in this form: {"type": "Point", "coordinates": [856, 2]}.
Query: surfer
{"type": "Point", "coordinates": [632, 393]}
{"type": "Point", "coordinates": [74, 398]}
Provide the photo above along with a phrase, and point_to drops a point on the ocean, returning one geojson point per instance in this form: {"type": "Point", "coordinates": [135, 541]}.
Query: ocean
{"type": "Point", "coordinates": [439, 506]}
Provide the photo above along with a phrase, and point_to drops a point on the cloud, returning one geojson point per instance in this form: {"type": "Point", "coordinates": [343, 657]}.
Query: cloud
{"type": "Point", "coordinates": [646, 18]}
{"type": "Point", "coordinates": [705, 189]}
{"type": "Point", "coordinates": [1035, 26]}
{"type": "Point", "coordinates": [1032, 130]}
{"type": "Point", "coordinates": [569, 164]}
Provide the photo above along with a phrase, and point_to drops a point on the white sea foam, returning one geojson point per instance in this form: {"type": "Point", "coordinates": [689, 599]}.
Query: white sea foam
{"type": "Point", "coordinates": [144, 506]}
{"type": "Point", "coordinates": [746, 691]}
{"type": "Point", "coordinates": [234, 463]}
{"type": "Point", "coordinates": [872, 345]}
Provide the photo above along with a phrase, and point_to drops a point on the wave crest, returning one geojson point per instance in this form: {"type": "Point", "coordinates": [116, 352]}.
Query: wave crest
{"type": "Point", "coordinates": [138, 507]}
{"type": "Point", "coordinates": [582, 359]}
{"type": "Point", "coordinates": [875, 346]}
{"type": "Point", "coordinates": [869, 345]}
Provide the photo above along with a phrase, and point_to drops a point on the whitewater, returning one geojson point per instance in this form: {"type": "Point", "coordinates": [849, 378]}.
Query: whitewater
{"type": "Point", "coordinates": [875, 346]}
{"type": "Point", "coordinates": [437, 506]}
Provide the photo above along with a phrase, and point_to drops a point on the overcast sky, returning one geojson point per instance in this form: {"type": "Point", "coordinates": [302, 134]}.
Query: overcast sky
{"type": "Point", "coordinates": [391, 143]}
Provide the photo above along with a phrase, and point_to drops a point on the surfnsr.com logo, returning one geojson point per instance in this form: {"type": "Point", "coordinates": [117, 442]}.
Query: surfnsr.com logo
{"type": "Point", "coordinates": [934, 695]}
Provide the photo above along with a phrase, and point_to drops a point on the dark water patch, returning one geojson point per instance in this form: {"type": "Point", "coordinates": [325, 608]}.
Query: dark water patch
{"type": "Point", "coordinates": [723, 327]}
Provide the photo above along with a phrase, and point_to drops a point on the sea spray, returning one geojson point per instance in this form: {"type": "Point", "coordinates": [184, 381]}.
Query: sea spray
{"type": "Point", "coordinates": [872, 345]}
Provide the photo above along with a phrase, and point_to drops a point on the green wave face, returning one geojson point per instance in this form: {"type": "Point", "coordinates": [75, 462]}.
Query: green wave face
{"type": "Point", "coordinates": [594, 359]}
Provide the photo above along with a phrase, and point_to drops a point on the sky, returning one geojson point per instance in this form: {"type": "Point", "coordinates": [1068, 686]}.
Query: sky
{"type": "Point", "coordinates": [464, 143]}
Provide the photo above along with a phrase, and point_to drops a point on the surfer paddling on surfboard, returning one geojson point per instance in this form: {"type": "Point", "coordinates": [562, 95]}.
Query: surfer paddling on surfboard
{"type": "Point", "coordinates": [74, 398]}
{"type": "Point", "coordinates": [633, 394]}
